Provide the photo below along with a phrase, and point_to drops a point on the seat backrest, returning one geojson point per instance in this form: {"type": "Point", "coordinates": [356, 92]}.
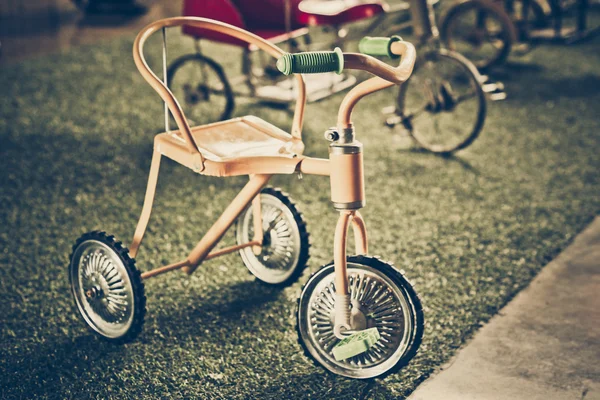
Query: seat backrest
{"type": "Point", "coordinates": [217, 27]}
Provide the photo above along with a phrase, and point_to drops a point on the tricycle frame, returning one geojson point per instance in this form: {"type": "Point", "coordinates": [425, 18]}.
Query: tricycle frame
{"type": "Point", "coordinates": [368, 301]}
{"type": "Point", "coordinates": [345, 165]}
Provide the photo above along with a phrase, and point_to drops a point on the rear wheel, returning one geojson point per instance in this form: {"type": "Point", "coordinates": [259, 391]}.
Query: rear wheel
{"type": "Point", "coordinates": [479, 30]}
{"type": "Point", "coordinates": [527, 19]}
{"type": "Point", "coordinates": [382, 297]}
{"type": "Point", "coordinates": [442, 105]}
{"type": "Point", "coordinates": [107, 288]}
{"type": "Point", "coordinates": [201, 86]}
{"type": "Point", "coordinates": [285, 248]}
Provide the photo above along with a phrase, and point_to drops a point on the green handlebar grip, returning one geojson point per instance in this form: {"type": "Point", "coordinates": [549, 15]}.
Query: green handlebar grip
{"type": "Point", "coordinates": [312, 62]}
{"type": "Point", "coordinates": [378, 46]}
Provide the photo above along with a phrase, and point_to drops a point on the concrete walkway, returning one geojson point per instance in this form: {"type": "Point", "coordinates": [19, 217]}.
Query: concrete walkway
{"type": "Point", "coordinates": [545, 344]}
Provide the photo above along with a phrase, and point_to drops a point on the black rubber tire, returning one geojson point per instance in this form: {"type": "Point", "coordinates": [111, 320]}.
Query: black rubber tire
{"type": "Point", "coordinates": [537, 18]}
{"type": "Point", "coordinates": [217, 69]}
{"type": "Point", "coordinates": [134, 276]}
{"type": "Point", "coordinates": [508, 34]}
{"type": "Point", "coordinates": [304, 255]}
{"type": "Point", "coordinates": [473, 76]}
{"type": "Point", "coordinates": [401, 281]}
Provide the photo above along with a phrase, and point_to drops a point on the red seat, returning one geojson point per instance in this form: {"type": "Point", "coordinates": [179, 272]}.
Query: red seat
{"type": "Point", "coordinates": [337, 12]}
{"type": "Point", "coordinates": [220, 10]}
{"type": "Point", "coordinates": [265, 18]}
{"type": "Point", "coordinates": [267, 14]}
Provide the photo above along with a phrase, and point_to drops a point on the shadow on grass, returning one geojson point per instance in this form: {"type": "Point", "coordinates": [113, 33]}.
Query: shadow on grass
{"type": "Point", "coordinates": [339, 387]}
{"type": "Point", "coordinates": [512, 69]}
{"type": "Point", "coordinates": [238, 315]}
{"type": "Point", "coordinates": [582, 86]}
{"type": "Point", "coordinates": [525, 79]}
{"type": "Point", "coordinates": [452, 157]}
{"type": "Point", "coordinates": [221, 309]}
{"type": "Point", "coordinates": [240, 297]}
{"type": "Point", "coordinates": [45, 367]}
{"type": "Point", "coordinates": [45, 158]}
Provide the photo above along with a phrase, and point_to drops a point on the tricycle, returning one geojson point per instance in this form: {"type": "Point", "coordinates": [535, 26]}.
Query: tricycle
{"type": "Point", "coordinates": [357, 316]}
{"type": "Point", "coordinates": [445, 85]}
{"type": "Point", "coordinates": [487, 30]}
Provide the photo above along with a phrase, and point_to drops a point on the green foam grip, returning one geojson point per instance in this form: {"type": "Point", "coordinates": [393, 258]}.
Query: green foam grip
{"type": "Point", "coordinates": [378, 46]}
{"type": "Point", "coordinates": [312, 62]}
{"type": "Point", "coordinates": [355, 344]}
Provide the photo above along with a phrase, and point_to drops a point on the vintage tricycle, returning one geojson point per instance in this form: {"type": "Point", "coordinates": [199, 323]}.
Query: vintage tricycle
{"type": "Point", "coordinates": [357, 316]}
{"type": "Point", "coordinates": [486, 31]}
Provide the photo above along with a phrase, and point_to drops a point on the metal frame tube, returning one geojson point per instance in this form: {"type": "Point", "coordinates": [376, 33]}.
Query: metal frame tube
{"type": "Point", "coordinates": [140, 230]}
{"type": "Point", "coordinates": [342, 295]}
{"type": "Point", "coordinates": [339, 252]}
{"type": "Point", "coordinates": [423, 20]}
{"type": "Point", "coordinates": [258, 230]}
{"type": "Point", "coordinates": [185, 263]}
{"type": "Point", "coordinates": [216, 232]}
{"type": "Point", "coordinates": [360, 234]}
{"type": "Point", "coordinates": [164, 66]}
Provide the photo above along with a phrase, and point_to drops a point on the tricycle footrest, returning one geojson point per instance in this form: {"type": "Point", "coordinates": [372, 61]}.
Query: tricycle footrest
{"type": "Point", "coordinates": [317, 88]}
{"type": "Point", "coordinates": [355, 344]}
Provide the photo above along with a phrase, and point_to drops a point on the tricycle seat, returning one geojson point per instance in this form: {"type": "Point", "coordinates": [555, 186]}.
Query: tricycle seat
{"type": "Point", "coordinates": [338, 12]}
{"type": "Point", "coordinates": [265, 19]}
{"type": "Point", "coordinates": [247, 144]}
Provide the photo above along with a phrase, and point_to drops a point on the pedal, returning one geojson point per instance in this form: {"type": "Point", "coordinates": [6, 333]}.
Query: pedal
{"type": "Point", "coordinates": [355, 344]}
{"type": "Point", "coordinates": [490, 87]}
{"type": "Point", "coordinates": [388, 110]}
{"type": "Point", "coordinates": [494, 90]}
{"type": "Point", "coordinates": [521, 48]}
{"type": "Point", "coordinates": [392, 121]}
{"type": "Point", "coordinates": [497, 96]}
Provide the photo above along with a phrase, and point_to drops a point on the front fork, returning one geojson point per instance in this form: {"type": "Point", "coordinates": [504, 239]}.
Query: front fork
{"type": "Point", "coordinates": [345, 318]}
{"type": "Point", "coordinates": [347, 196]}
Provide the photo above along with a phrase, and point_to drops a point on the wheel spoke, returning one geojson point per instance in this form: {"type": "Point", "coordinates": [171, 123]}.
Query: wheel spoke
{"type": "Point", "coordinates": [281, 250]}
{"type": "Point", "coordinates": [383, 304]}
{"type": "Point", "coordinates": [103, 292]}
{"type": "Point", "coordinates": [444, 108]}
{"type": "Point", "coordinates": [203, 86]}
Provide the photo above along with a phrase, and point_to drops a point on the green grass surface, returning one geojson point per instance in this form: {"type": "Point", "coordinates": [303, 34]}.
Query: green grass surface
{"type": "Point", "coordinates": [470, 231]}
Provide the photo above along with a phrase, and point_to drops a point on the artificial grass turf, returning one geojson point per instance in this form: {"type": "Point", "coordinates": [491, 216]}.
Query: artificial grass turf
{"type": "Point", "coordinates": [469, 231]}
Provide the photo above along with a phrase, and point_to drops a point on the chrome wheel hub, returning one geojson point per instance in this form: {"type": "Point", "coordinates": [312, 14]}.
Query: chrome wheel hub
{"type": "Point", "coordinates": [102, 288]}
{"type": "Point", "coordinates": [280, 250]}
{"type": "Point", "coordinates": [277, 247]}
{"type": "Point", "coordinates": [376, 302]}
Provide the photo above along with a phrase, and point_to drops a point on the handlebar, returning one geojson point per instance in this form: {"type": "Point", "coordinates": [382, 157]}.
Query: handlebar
{"type": "Point", "coordinates": [385, 75]}
{"type": "Point", "coordinates": [378, 46]}
{"type": "Point", "coordinates": [312, 62]}
{"type": "Point", "coordinates": [316, 62]}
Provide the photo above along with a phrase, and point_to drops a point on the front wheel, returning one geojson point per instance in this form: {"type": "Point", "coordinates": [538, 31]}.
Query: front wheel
{"type": "Point", "coordinates": [442, 105]}
{"type": "Point", "coordinates": [382, 297]}
{"type": "Point", "coordinates": [200, 84]}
